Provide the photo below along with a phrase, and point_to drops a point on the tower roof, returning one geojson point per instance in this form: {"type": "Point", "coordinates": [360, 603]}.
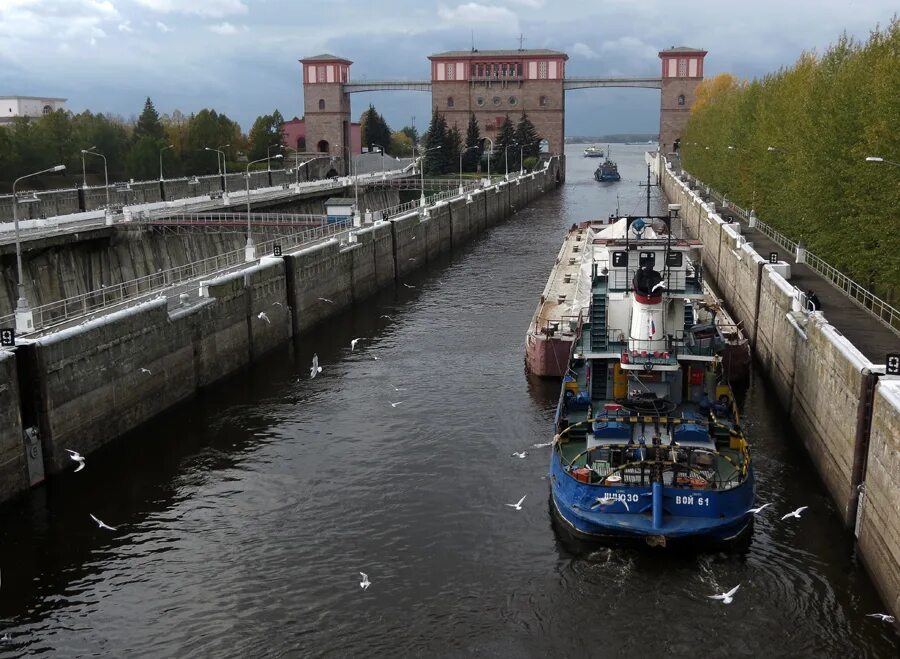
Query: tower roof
{"type": "Point", "coordinates": [682, 49]}
{"type": "Point", "coordinates": [326, 57]}
{"type": "Point", "coordinates": [531, 52]}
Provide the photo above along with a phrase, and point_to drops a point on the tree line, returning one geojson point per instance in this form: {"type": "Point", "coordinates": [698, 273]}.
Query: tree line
{"type": "Point", "coordinates": [793, 146]}
{"type": "Point", "coordinates": [132, 149]}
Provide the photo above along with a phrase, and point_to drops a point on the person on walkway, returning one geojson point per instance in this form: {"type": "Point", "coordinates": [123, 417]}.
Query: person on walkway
{"type": "Point", "coordinates": [813, 300]}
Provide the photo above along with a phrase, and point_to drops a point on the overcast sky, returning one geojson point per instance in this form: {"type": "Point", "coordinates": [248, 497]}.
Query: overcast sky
{"type": "Point", "coordinates": [240, 56]}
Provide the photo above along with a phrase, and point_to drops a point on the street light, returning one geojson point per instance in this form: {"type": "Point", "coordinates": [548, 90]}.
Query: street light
{"type": "Point", "coordinates": [490, 156]}
{"type": "Point", "coordinates": [24, 317]}
{"type": "Point", "coordinates": [461, 153]}
{"type": "Point", "coordinates": [880, 159]}
{"type": "Point", "coordinates": [91, 152]}
{"type": "Point", "coordinates": [83, 172]}
{"type": "Point", "coordinates": [522, 158]}
{"type": "Point", "coordinates": [171, 146]}
{"type": "Point", "coordinates": [269, 157]}
{"type": "Point", "coordinates": [249, 252]}
{"type": "Point", "coordinates": [506, 157]}
{"type": "Point", "coordinates": [225, 178]}
{"type": "Point", "coordinates": [422, 171]}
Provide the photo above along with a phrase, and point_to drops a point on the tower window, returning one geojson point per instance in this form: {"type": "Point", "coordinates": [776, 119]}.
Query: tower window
{"type": "Point", "coordinates": [542, 70]}
{"type": "Point", "coordinates": [450, 69]}
{"type": "Point", "coordinates": [320, 73]}
{"type": "Point", "coordinates": [682, 68]}
{"type": "Point", "coordinates": [543, 101]}
{"type": "Point", "coordinates": [681, 99]}
{"type": "Point", "coordinates": [47, 109]}
{"type": "Point", "coordinates": [479, 101]}
{"type": "Point", "coordinates": [449, 101]}
{"type": "Point", "coordinates": [321, 103]}
{"type": "Point", "coordinates": [513, 100]}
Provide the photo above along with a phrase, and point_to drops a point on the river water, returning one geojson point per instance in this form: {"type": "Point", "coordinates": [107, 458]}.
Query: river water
{"type": "Point", "coordinates": [245, 516]}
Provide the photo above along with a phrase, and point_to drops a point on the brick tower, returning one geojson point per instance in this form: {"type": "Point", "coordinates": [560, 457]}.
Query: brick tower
{"type": "Point", "coordinates": [326, 106]}
{"type": "Point", "coordinates": [682, 71]}
{"type": "Point", "coordinates": [492, 84]}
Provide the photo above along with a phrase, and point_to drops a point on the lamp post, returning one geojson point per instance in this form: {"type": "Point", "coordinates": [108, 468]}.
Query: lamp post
{"type": "Point", "coordinates": [269, 157]}
{"type": "Point", "coordinates": [490, 156]}
{"type": "Point", "coordinates": [24, 316]}
{"type": "Point", "coordinates": [249, 248]}
{"type": "Point", "coordinates": [91, 152]}
{"type": "Point", "coordinates": [225, 177]}
{"type": "Point", "coordinates": [506, 158]}
{"type": "Point", "coordinates": [171, 146]}
{"type": "Point", "coordinates": [522, 159]}
{"type": "Point", "coordinates": [880, 159]}
{"type": "Point", "coordinates": [381, 148]}
{"type": "Point", "coordinates": [461, 153]}
{"type": "Point", "coordinates": [83, 172]}
{"type": "Point", "coordinates": [422, 171]}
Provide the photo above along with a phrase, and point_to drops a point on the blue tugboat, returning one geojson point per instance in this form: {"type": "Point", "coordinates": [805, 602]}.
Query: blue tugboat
{"type": "Point", "coordinates": [648, 443]}
{"type": "Point", "coordinates": [607, 170]}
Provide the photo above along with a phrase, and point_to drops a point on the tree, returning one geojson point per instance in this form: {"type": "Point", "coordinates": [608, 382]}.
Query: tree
{"type": "Point", "coordinates": [474, 146]}
{"type": "Point", "coordinates": [374, 129]}
{"type": "Point", "coordinates": [401, 145]}
{"type": "Point", "coordinates": [411, 133]}
{"type": "Point", "coordinates": [506, 137]}
{"type": "Point", "coordinates": [528, 138]}
{"type": "Point", "coordinates": [209, 129]}
{"type": "Point", "coordinates": [711, 88]}
{"type": "Point", "coordinates": [454, 148]}
{"type": "Point", "coordinates": [142, 162]}
{"type": "Point", "coordinates": [436, 160]}
{"type": "Point", "coordinates": [265, 132]}
{"type": "Point", "coordinates": [148, 124]}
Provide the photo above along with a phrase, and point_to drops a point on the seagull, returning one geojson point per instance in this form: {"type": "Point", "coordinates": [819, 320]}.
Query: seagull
{"type": "Point", "coordinates": [77, 457]}
{"type": "Point", "coordinates": [395, 404]}
{"type": "Point", "coordinates": [353, 343]}
{"type": "Point", "coordinates": [412, 258]}
{"type": "Point", "coordinates": [325, 299]}
{"type": "Point", "coordinates": [757, 511]}
{"type": "Point", "coordinates": [608, 501]}
{"type": "Point", "coordinates": [541, 445]}
{"type": "Point", "coordinates": [384, 315]}
{"type": "Point", "coordinates": [263, 316]}
{"type": "Point", "coordinates": [520, 454]}
{"type": "Point", "coordinates": [102, 524]}
{"type": "Point", "coordinates": [365, 583]}
{"type": "Point", "coordinates": [398, 388]}
{"type": "Point", "coordinates": [659, 285]}
{"type": "Point", "coordinates": [146, 370]}
{"type": "Point", "coordinates": [6, 637]}
{"type": "Point", "coordinates": [408, 286]}
{"type": "Point", "coordinates": [315, 369]}
{"type": "Point", "coordinates": [725, 597]}
{"type": "Point", "coordinates": [277, 304]}
{"type": "Point", "coordinates": [518, 504]}
{"type": "Point", "coordinates": [884, 616]}
{"type": "Point", "coordinates": [796, 513]}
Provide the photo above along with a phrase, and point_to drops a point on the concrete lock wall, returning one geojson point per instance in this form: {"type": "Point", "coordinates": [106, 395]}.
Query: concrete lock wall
{"type": "Point", "coordinates": [820, 378]}
{"type": "Point", "coordinates": [93, 382]}
{"type": "Point", "coordinates": [879, 521]}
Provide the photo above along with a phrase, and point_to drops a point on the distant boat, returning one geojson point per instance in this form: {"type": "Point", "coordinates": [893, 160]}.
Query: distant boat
{"type": "Point", "coordinates": [593, 152]}
{"type": "Point", "coordinates": [607, 171]}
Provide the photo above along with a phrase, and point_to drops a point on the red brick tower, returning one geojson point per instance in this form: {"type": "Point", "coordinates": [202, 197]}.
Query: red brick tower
{"type": "Point", "coordinates": [494, 83]}
{"type": "Point", "coordinates": [326, 106]}
{"type": "Point", "coordinates": [682, 71]}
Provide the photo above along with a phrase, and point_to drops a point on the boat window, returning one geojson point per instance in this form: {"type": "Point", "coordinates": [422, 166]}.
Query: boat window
{"type": "Point", "coordinates": [620, 259]}
{"type": "Point", "coordinates": [674, 259]}
{"type": "Point", "coordinates": [647, 258]}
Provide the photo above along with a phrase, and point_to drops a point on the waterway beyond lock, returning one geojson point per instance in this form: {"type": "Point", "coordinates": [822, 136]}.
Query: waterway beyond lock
{"type": "Point", "coordinates": [245, 516]}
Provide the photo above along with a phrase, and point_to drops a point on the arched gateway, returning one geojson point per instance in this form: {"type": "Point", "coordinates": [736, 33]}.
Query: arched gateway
{"type": "Point", "coordinates": [492, 84]}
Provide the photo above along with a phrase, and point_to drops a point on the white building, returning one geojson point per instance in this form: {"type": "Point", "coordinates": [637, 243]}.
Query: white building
{"type": "Point", "coordinates": [27, 106]}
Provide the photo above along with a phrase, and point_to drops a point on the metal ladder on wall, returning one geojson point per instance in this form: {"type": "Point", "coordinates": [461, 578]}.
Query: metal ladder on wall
{"type": "Point", "coordinates": [688, 316]}
{"type": "Point", "coordinates": [599, 341]}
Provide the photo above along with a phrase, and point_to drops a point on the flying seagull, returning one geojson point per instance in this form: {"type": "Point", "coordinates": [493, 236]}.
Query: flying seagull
{"type": "Point", "coordinates": [395, 404]}
{"type": "Point", "coordinates": [608, 501]}
{"type": "Point", "coordinates": [796, 513]}
{"type": "Point", "coordinates": [277, 304]}
{"type": "Point", "coordinates": [101, 524]}
{"type": "Point", "coordinates": [398, 388]}
{"type": "Point", "coordinates": [325, 299]}
{"type": "Point", "coordinates": [412, 258]}
{"type": "Point", "coordinates": [757, 511]}
{"type": "Point", "coordinates": [541, 445]}
{"type": "Point", "coordinates": [408, 286]}
{"type": "Point", "coordinates": [518, 504]}
{"type": "Point", "coordinates": [659, 285]}
{"type": "Point", "coordinates": [725, 597]}
{"type": "Point", "coordinates": [77, 457]}
{"type": "Point", "coordinates": [884, 616]}
{"type": "Point", "coordinates": [353, 343]}
{"type": "Point", "coordinates": [365, 583]}
{"type": "Point", "coordinates": [315, 369]}
{"type": "Point", "coordinates": [520, 454]}
{"type": "Point", "coordinates": [384, 315]}
{"type": "Point", "coordinates": [146, 370]}
{"type": "Point", "coordinates": [263, 316]}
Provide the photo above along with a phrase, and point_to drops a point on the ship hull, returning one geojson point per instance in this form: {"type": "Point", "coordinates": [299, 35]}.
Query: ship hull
{"type": "Point", "coordinates": [547, 356]}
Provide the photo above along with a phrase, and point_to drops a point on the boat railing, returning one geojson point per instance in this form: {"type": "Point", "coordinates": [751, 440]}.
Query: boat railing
{"type": "Point", "coordinates": [567, 325]}
{"type": "Point", "coordinates": [677, 343]}
{"type": "Point", "coordinates": [678, 281]}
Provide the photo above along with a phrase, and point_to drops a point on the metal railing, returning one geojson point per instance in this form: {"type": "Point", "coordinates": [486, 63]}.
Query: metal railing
{"type": "Point", "coordinates": [236, 219]}
{"type": "Point", "coordinates": [880, 309]}
{"type": "Point", "coordinates": [431, 200]}
{"type": "Point", "coordinates": [54, 313]}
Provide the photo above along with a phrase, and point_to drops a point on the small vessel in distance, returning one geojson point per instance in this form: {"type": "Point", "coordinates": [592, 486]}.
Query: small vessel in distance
{"type": "Point", "coordinates": [593, 152]}
{"type": "Point", "coordinates": [607, 170]}
{"type": "Point", "coordinates": [648, 444]}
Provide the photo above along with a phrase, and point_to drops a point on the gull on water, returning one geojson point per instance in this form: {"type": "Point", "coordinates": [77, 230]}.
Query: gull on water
{"type": "Point", "coordinates": [146, 370]}
{"type": "Point", "coordinates": [398, 388]}
{"type": "Point", "coordinates": [315, 369]}
{"type": "Point", "coordinates": [325, 299]}
{"type": "Point", "coordinates": [77, 457]}
{"type": "Point", "coordinates": [101, 524]}
{"type": "Point", "coordinates": [365, 583]}
{"type": "Point", "coordinates": [395, 404]}
{"type": "Point", "coordinates": [384, 315]}
{"type": "Point", "coordinates": [519, 454]}
{"type": "Point", "coordinates": [725, 597]}
{"type": "Point", "coordinates": [757, 511]}
{"type": "Point", "coordinates": [795, 513]}
{"type": "Point", "coordinates": [353, 343]}
{"type": "Point", "coordinates": [884, 616]}
{"type": "Point", "coordinates": [263, 316]}
{"type": "Point", "coordinates": [518, 504]}
{"type": "Point", "coordinates": [541, 445]}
